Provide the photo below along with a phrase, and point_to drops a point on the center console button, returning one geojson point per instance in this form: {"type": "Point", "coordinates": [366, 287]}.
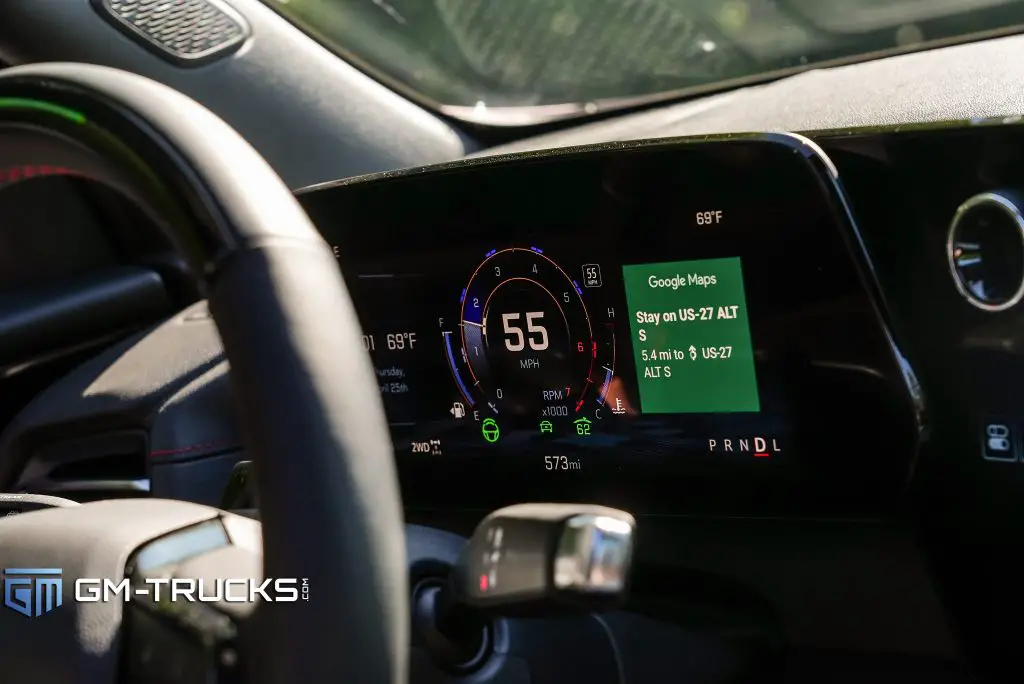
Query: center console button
{"type": "Point", "coordinates": [999, 441]}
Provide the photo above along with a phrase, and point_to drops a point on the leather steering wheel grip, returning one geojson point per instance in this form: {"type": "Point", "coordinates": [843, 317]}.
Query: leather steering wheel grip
{"type": "Point", "coordinates": [306, 394]}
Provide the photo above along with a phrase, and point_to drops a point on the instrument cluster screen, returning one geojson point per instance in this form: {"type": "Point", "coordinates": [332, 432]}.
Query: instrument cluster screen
{"type": "Point", "coordinates": [652, 320]}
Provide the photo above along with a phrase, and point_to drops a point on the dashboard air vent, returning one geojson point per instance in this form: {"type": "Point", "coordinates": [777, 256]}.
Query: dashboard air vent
{"type": "Point", "coordinates": [186, 32]}
{"type": "Point", "coordinates": [109, 466]}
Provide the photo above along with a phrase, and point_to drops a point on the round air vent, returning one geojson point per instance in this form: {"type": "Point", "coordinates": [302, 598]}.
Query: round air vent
{"type": "Point", "coordinates": [985, 249]}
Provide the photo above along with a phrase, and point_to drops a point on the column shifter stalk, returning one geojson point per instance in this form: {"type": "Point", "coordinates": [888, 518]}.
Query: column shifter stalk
{"type": "Point", "coordinates": [535, 559]}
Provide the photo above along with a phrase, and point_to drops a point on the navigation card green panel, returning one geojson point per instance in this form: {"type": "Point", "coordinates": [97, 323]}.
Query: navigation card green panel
{"type": "Point", "coordinates": [691, 337]}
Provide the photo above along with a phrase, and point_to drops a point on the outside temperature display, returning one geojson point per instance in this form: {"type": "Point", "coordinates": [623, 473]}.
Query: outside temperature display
{"type": "Point", "coordinates": [398, 341]}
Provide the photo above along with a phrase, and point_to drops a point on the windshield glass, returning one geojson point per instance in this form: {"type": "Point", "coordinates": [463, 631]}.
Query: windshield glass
{"type": "Point", "coordinates": [525, 61]}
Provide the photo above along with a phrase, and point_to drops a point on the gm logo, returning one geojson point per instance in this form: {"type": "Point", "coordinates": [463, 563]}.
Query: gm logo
{"type": "Point", "coordinates": [33, 591]}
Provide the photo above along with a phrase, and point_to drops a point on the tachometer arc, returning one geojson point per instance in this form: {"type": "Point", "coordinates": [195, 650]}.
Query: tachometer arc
{"type": "Point", "coordinates": [533, 253]}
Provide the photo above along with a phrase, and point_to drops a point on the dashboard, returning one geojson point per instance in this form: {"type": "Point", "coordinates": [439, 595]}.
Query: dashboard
{"type": "Point", "coordinates": [909, 549]}
{"type": "Point", "coordinates": [866, 285]}
{"type": "Point", "coordinates": [794, 357]}
{"type": "Point", "coordinates": [669, 327]}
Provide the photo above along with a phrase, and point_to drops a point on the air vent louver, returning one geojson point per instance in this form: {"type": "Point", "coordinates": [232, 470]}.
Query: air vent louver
{"type": "Point", "coordinates": [97, 467]}
{"type": "Point", "coordinates": [186, 32]}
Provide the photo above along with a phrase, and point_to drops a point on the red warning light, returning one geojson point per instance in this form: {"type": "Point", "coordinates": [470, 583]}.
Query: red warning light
{"type": "Point", "coordinates": [483, 583]}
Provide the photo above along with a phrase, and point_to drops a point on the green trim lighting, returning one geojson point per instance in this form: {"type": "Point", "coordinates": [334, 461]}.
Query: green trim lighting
{"type": "Point", "coordinates": [42, 106]}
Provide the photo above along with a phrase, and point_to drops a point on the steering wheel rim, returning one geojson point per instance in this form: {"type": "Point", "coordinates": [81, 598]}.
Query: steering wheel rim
{"type": "Point", "coordinates": [306, 395]}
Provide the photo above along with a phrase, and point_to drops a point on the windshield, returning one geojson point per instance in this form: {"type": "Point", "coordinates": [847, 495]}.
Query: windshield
{"type": "Point", "coordinates": [525, 61]}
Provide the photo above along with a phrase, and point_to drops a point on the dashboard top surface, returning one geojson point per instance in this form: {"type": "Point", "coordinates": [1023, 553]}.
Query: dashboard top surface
{"type": "Point", "coordinates": [348, 121]}
{"type": "Point", "coordinates": [956, 83]}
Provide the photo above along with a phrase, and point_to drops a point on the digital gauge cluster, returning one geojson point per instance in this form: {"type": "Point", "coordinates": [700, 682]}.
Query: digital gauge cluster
{"type": "Point", "coordinates": [664, 327]}
{"type": "Point", "coordinates": [525, 344]}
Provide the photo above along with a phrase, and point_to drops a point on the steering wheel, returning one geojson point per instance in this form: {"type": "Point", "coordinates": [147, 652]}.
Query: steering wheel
{"type": "Point", "coordinates": [306, 397]}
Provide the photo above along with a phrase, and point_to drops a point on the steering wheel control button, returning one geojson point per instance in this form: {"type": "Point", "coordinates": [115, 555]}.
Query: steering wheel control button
{"type": "Point", "coordinates": [985, 249]}
{"type": "Point", "coordinates": [999, 441]}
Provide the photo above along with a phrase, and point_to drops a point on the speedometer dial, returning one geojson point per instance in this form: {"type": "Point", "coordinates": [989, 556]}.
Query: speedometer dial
{"type": "Point", "coordinates": [526, 345]}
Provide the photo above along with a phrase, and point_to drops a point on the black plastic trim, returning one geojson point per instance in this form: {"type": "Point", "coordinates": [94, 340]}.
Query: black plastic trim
{"type": "Point", "coordinates": [33, 320]}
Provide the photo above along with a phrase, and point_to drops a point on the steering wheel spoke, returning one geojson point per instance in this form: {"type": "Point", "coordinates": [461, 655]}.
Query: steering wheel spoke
{"type": "Point", "coordinates": [47, 635]}
{"type": "Point", "coordinates": [192, 592]}
{"type": "Point", "coordinates": [305, 392]}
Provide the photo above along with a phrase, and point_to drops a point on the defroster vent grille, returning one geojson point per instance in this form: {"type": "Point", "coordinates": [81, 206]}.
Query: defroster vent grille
{"type": "Point", "coordinates": [187, 32]}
